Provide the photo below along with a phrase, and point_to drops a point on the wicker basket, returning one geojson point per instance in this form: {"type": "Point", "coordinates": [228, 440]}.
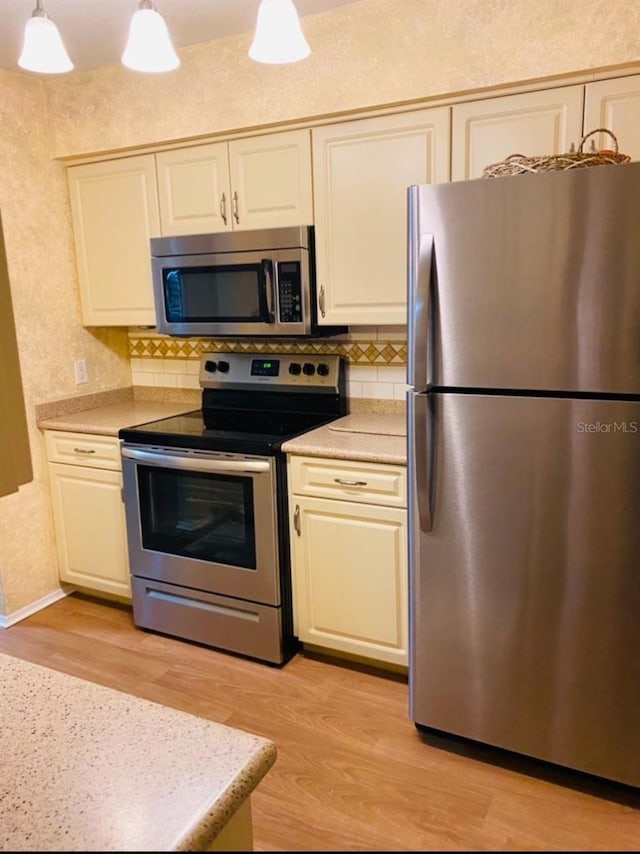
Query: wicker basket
{"type": "Point", "coordinates": [519, 164]}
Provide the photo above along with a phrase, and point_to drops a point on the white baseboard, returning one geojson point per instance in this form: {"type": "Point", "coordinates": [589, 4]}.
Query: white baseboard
{"type": "Point", "coordinates": [38, 605]}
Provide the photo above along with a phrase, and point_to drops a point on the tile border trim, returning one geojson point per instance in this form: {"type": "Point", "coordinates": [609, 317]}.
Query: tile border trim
{"type": "Point", "coordinates": [355, 352]}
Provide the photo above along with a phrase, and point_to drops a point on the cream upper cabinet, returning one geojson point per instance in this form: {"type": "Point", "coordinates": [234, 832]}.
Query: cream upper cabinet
{"type": "Point", "coordinates": [271, 180]}
{"type": "Point", "coordinates": [615, 104]}
{"type": "Point", "coordinates": [487, 131]}
{"type": "Point", "coordinates": [114, 207]}
{"type": "Point", "coordinates": [88, 511]}
{"type": "Point", "coordinates": [194, 190]}
{"type": "Point", "coordinates": [361, 172]}
{"type": "Point", "coordinates": [257, 182]}
{"type": "Point", "coordinates": [349, 557]}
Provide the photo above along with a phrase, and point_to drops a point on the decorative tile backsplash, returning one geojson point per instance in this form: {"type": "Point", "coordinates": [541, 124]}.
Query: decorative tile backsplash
{"type": "Point", "coordinates": [375, 358]}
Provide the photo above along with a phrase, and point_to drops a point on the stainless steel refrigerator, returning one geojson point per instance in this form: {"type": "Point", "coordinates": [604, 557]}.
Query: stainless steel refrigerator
{"type": "Point", "coordinates": [524, 464]}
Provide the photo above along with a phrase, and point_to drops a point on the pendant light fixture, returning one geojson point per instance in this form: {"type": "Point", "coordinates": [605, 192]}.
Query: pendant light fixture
{"type": "Point", "coordinates": [278, 38]}
{"type": "Point", "coordinates": [149, 47]}
{"type": "Point", "coordinates": [43, 49]}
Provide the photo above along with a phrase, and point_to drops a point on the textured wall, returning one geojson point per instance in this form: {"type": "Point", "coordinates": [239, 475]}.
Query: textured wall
{"type": "Point", "coordinates": [369, 53]}
{"type": "Point", "coordinates": [36, 221]}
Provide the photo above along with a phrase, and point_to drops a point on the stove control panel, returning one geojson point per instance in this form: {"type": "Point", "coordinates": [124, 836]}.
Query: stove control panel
{"type": "Point", "coordinates": [276, 371]}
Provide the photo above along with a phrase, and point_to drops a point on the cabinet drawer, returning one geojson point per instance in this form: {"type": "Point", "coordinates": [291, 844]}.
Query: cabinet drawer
{"type": "Point", "coordinates": [87, 449]}
{"type": "Point", "coordinates": [367, 483]}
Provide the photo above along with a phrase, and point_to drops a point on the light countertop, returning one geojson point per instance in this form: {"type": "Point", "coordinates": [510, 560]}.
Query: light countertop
{"type": "Point", "coordinates": [88, 768]}
{"type": "Point", "coordinates": [367, 435]}
{"type": "Point", "coordinates": [364, 436]}
{"type": "Point", "coordinates": [108, 419]}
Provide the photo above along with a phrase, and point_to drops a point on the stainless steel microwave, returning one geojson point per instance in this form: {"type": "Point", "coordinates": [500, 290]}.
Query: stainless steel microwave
{"type": "Point", "coordinates": [256, 283]}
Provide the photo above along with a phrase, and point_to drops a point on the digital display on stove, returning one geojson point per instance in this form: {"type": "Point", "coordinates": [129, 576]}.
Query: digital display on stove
{"type": "Point", "coordinates": [265, 367]}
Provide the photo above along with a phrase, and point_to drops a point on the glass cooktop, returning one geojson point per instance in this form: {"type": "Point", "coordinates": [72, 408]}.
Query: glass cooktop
{"type": "Point", "coordinates": [251, 431]}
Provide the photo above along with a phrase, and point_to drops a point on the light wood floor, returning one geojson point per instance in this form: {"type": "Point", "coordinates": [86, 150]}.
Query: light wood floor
{"type": "Point", "coordinates": [352, 773]}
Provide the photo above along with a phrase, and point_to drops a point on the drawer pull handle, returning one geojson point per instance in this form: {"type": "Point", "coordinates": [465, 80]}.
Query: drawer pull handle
{"type": "Point", "coordinates": [83, 451]}
{"type": "Point", "coordinates": [296, 521]}
{"type": "Point", "coordinates": [349, 482]}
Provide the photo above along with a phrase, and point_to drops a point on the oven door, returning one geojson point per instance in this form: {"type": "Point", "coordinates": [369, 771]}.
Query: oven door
{"type": "Point", "coordinates": [203, 520]}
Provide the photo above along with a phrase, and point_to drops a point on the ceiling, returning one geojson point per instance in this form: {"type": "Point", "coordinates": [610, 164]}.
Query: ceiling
{"type": "Point", "coordinates": [95, 31]}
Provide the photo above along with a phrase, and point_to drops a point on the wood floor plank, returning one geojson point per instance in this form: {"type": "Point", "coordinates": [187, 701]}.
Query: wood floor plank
{"type": "Point", "coordinates": [352, 772]}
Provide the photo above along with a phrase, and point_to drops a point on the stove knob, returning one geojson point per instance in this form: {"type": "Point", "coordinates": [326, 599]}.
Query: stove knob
{"type": "Point", "coordinates": [223, 367]}
{"type": "Point", "coordinates": [210, 366]}
{"type": "Point", "coordinates": [323, 370]}
{"type": "Point", "coordinates": [308, 369]}
{"type": "Point", "coordinates": [294, 368]}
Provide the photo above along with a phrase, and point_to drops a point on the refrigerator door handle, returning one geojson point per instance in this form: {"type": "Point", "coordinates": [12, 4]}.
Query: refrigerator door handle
{"type": "Point", "coordinates": [421, 439]}
{"type": "Point", "coordinates": [419, 332]}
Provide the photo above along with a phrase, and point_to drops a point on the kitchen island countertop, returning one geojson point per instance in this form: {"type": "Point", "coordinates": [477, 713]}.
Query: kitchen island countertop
{"type": "Point", "coordinates": [89, 768]}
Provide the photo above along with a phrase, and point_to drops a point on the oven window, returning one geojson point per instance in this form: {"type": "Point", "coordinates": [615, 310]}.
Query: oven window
{"type": "Point", "coordinates": [199, 515]}
{"type": "Point", "coordinates": [232, 293]}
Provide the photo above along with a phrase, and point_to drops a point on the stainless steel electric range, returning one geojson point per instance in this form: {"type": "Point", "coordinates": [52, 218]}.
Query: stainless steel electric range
{"type": "Point", "coordinates": [206, 502]}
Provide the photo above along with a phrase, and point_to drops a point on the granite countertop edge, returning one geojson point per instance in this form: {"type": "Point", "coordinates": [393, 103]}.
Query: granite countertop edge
{"type": "Point", "coordinates": [206, 828]}
{"type": "Point", "coordinates": [235, 763]}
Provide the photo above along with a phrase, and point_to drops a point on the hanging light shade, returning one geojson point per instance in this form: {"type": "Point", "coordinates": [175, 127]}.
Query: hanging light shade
{"type": "Point", "coordinates": [149, 47]}
{"type": "Point", "coordinates": [278, 37]}
{"type": "Point", "coordinates": [43, 49]}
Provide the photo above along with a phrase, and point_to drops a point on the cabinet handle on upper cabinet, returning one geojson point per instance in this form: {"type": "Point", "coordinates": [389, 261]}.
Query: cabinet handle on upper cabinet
{"type": "Point", "coordinates": [223, 208]}
{"type": "Point", "coordinates": [350, 482]}
{"type": "Point", "coordinates": [83, 451]}
{"type": "Point", "coordinates": [321, 300]}
{"type": "Point", "coordinates": [296, 520]}
{"type": "Point", "coordinates": [236, 215]}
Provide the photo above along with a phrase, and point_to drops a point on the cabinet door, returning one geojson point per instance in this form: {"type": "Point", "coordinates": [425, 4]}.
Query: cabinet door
{"type": "Point", "coordinates": [349, 570]}
{"type": "Point", "coordinates": [89, 522]}
{"type": "Point", "coordinates": [271, 180]}
{"type": "Point", "coordinates": [487, 131]}
{"type": "Point", "coordinates": [615, 104]}
{"type": "Point", "coordinates": [361, 171]}
{"type": "Point", "coordinates": [114, 207]}
{"type": "Point", "coordinates": [193, 189]}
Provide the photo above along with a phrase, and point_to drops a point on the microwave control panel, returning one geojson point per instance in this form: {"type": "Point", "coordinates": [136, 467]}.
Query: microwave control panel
{"type": "Point", "coordinates": [289, 292]}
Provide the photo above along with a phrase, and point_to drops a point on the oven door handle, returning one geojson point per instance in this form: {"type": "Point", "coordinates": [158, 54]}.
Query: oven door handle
{"type": "Point", "coordinates": [169, 461]}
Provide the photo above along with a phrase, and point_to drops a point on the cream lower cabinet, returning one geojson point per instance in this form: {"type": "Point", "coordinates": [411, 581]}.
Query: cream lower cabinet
{"type": "Point", "coordinates": [257, 182]}
{"type": "Point", "coordinates": [487, 131]}
{"type": "Point", "coordinates": [349, 557]}
{"type": "Point", "coordinates": [361, 172]}
{"type": "Point", "coordinates": [88, 512]}
{"type": "Point", "coordinates": [114, 207]}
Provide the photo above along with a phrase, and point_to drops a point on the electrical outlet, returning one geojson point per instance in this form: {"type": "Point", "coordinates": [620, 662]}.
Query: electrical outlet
{"type": "Point", "coordinates": [80, 366]}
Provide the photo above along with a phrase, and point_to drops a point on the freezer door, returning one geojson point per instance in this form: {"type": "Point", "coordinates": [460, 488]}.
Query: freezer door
{"type": "Point", "coordinates": [525, 576]}
{"type": "Point", "coordinates": [534, 282]}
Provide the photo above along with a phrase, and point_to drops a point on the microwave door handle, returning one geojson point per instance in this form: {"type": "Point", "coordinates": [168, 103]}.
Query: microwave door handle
{"type": "Point", "coordinates": [267, 289]}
